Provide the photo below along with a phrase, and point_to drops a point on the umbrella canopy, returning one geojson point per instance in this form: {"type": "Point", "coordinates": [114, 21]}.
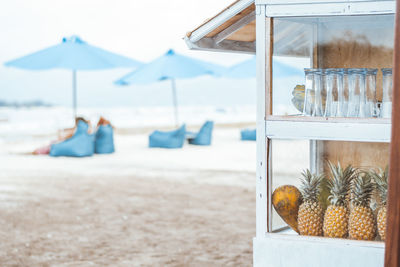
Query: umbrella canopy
{"type": "Point", "coordinates": [73, 54]}
{"type": "Point", "coordinates": [170, 66]}
{"type": "Point", "coordinates": [247, 69]}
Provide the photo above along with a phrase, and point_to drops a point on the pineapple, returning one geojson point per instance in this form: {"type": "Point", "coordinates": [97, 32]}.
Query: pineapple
{"type": "Point", "coordinates": [337, 213]}
{"type": "Point", "coordinates": [381, 180]}
{"type": "Point", "coordinates": [362, 221]}
{"type": "Point", "coordinates": [311, 214]}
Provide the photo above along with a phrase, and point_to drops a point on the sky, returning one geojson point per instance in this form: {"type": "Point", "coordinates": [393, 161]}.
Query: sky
{"type": "Point", "coordinates": [142, 30]}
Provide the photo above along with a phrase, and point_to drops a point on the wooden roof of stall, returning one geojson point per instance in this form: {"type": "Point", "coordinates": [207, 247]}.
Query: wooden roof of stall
{"type": "Point", "coordinates": [228, 30]}
{"type": "Point", "coordinates": [247, 33]}
{"type": "Point", "coordinates": [234, 30]}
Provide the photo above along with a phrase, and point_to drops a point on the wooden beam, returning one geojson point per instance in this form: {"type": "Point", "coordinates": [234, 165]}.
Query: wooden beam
{"type": "Point", "coordinates": [234, 27]}
{"type": "Point", "coordinates": [392, 248]}
{"type": "Point", "coordinates": [269, 47]}
{"type": "Point", "coordinates": [225, 46]}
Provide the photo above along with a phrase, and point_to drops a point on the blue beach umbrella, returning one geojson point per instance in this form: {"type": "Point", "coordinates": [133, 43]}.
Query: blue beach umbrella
{"type": "Point", "coordinates": [73, 54]}
{"type": "Point", "coordinates": [247, 69]}
{"type": "Point", "coordinates": [170, 66]}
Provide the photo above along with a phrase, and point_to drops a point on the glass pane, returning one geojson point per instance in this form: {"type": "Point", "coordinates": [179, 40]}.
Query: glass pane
{"type": "Point", "coordinates": [286, 167]}
{"type": "Point", "coordinates": [360, 202]}
{"type": "Point", "coordinates": [331, 44]}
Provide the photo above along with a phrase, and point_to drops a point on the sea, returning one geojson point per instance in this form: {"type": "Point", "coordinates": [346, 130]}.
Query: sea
{"type": "Point", "coordinates": [28, 122]}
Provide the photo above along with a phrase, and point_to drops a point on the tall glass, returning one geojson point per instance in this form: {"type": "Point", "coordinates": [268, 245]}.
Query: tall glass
{"type": "Point", "coordinates": [369, 101]}
{"type": "Point", "coordinates": [320, 93]}
{"type": "Point", "coordinates": [386, 106]}
{"type": "Point", "coordinates": [356, 92]}
{"type": "Point", "coordinates": [334, 91]}
{"type": "Point", "coordinates": [309, 97]}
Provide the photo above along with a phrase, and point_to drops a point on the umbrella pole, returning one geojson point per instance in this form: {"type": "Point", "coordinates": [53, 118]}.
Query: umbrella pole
{"type": "Point", "coordinates": [74, 92]}
{"type": "Point", "coordinates": [175, 100]}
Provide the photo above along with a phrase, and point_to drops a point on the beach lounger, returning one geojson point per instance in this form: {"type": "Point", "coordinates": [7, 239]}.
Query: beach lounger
{"type": "Point", "coordinates": [248, 135]}
{"type": "Point", "coordinates": [81, 144]}
{"type": "Point", "coordinates": [203, 137]}
{"type": "Point", "coordinates": [104, 140]}
{"type": "Point", "coordinates": [171, 139]}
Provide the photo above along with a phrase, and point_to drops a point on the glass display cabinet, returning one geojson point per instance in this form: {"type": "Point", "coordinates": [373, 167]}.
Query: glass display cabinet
{"type": "Point", "coordinates": [338, 115]}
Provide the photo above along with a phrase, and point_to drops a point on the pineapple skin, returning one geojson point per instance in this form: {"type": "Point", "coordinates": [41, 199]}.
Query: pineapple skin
{"type": "Point", "coordinates": [336, 221]}
{"type": "Point", "coordinates": [310, 218]}
{"type": "Point", "coordinates": [362, 223]}
{"type": "Point", "coordinates": [381, 222]}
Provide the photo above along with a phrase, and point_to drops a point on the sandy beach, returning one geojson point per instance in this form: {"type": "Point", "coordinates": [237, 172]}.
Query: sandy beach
{"type": "Point", "coordinates": [137, 207]}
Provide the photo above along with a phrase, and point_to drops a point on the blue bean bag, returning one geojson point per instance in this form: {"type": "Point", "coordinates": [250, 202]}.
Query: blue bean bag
{"type": "Point", "coordinates": [81, 144]}
{"type": "Point", "coordinates": [204, 136]}
{"type": "Point", "coordinates": [104, 140]}
{"type": "Point", "coordinates": [171, 139]}
{"type": "Point", "coordinates": [248, 135]}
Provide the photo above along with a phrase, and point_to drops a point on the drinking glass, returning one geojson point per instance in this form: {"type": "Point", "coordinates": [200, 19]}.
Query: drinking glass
{"type": "Point", "coordinates": [334, 91]}
{"type": "Point", "coordinates": [386, 106]}
{"type": "Point", "coordinates": [356, 91]}
{"type": "Point", "coordinates": [368, 102]}
{"type": "Point", "coordinates": [309, 97]}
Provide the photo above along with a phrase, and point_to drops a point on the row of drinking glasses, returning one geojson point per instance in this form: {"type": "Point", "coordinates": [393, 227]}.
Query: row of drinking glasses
{"type": "Point", "coordinates": [346, 93]}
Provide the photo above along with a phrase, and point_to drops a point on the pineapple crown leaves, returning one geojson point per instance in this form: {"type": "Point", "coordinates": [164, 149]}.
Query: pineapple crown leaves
{"type": "Point", "coordinates": [362, 189]}
{"type": "Point", "coordinates": [340, 182]}
{"type": "Point", "coordinates": [310, 185]}
{"type": "Point", "coordinates": [381, 180]}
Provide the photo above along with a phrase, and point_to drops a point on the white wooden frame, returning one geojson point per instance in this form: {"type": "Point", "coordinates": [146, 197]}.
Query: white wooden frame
{"type": "Point", "coordinates": [324, 130]}
{"type": "Point", "coordinates": [261, 191]}
{"type": "Point", "coordinates": [277, 8]}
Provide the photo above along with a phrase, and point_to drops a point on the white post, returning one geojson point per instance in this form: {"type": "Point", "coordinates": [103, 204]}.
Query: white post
{"type": "Point", "coordinates": [175, 100]}
{"type": "Point", "coordinates": [261, 170]}
{"type": "Point", "coordinates": [74, 95]}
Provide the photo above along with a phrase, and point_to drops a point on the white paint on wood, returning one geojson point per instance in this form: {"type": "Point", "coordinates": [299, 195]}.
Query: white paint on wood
{"type": "Point", "coordinates": [261, 183]}
{"type": "Point", "coordinates": [309, 2]}
{"type": "Point", "coordinates": [330, 9]}
{"type": "Point", "coordinates": [287, 251]}
{"type": "Point", "coordinates": [227, 45]}
{"type": "Point", "coordinates": [208, 44]}
{"type": "Point", "coordinates": [340, 131]}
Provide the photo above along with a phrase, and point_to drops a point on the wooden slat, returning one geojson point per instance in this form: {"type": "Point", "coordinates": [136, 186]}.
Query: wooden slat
{"type": "Point", "coordinates": [392, 252]}
{"type": "Point", "coordinates": [246, 34]}
{"type": "Point", "coordinates": [228, 23]}
{"type": "Point", "coordinates": [269, 42]}
{"type": "Point", "coordinates": [225, 45]}
{"type": "Point", "coordinates": [268, 61]}
{"type": "Point", "coordinates": [234, 27]}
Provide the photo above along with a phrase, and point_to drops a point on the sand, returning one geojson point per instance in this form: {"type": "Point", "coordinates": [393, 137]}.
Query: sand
{"type": "Point", "coordinates": [137, 207]}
